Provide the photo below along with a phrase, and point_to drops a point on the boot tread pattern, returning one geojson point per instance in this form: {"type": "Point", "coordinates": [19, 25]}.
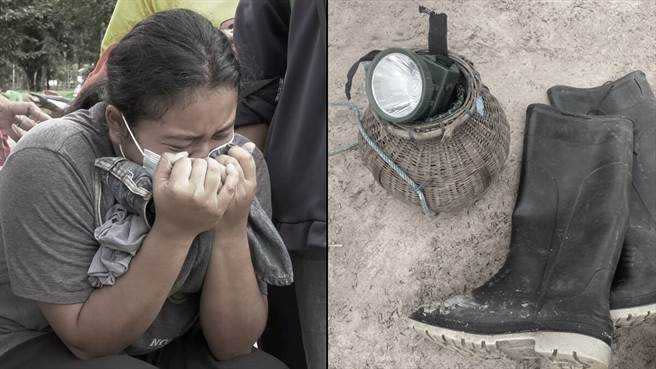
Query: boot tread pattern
{"type": "Point", "coordinates": [521, 350]}
{"type": "Point", "coordinates": [622, 318]}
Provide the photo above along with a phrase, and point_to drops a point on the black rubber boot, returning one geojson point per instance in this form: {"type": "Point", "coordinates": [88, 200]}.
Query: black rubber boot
{"type": "Point", "coordinates": [549, 301]}
{"type": "Point", "coordinates": [633, 295]}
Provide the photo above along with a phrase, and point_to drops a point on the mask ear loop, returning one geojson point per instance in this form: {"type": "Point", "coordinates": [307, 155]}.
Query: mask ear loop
{"type": "Point", "coordinates": [232, 139]}
{"type": "Point", "coordinates": [219, 149]}
{"type": "Point", "coordinates": [131, 135]}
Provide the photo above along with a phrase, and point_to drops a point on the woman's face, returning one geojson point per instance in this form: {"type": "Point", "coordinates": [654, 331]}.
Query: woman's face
{"type": "Point", "coordinates": [196, 126]}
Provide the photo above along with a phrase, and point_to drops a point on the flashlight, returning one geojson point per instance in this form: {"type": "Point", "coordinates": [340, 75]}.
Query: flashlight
{"type": "Point", "coordinates": [407, 86]}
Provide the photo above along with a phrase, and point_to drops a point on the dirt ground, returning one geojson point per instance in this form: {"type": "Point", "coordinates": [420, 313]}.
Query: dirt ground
{"type": "Point", "coordinates": [386, 257]}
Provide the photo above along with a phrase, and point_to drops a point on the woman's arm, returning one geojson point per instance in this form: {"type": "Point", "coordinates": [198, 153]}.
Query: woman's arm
{"type": "Point", "coordinates": [114, 317]}
{"type": "Point", "coordinates": [233, 312]}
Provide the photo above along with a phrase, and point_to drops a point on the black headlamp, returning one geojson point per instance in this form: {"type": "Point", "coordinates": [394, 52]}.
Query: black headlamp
{"type": "Point", "coordinates": [406, 86]}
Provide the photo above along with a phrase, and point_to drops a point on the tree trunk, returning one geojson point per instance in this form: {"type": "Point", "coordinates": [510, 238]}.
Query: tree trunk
{"type": "Point", "coordinates": [30, 74]}
{"type": "Point", "coordinates": [39, 79]}
{"type": "Point", "coordinates": [47, 75]}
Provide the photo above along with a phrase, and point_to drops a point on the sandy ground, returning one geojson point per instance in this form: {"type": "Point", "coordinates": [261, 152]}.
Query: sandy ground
{"type": "Point", "coordinates": [388, 257]}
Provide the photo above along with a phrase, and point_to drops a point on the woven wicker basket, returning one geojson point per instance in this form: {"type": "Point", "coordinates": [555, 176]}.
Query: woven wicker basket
{"type": "Point", "coordinates": [452, 157]}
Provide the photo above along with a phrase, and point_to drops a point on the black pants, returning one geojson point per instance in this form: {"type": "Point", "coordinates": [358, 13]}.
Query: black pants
{"type": "Point", "coordinates": [187, 352]}
{"type": "Point", "coordinates": [296, 330]}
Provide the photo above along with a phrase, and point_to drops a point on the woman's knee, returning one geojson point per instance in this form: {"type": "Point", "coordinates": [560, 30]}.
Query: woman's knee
{"type": "Point", "coordinates": [255, 360]}
{"type": "Point", "coordinates": [270, 362]}
{"type": "Point", "coordinates": [118, 361]}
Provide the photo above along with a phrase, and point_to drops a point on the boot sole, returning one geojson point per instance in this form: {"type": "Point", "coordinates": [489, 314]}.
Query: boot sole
{"type": "Point", "coordinates": [630, 317]}
{"type": "Point", "coordinates": [531, 349]}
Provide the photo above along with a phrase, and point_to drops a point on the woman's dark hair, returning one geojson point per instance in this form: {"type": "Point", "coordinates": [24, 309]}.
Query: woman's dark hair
{"type": "Point", "coordinates": [163, 59]}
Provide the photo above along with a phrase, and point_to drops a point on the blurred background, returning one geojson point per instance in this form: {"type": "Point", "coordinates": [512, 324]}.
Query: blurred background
{"type": "Point", "coordinates": [49, 46]}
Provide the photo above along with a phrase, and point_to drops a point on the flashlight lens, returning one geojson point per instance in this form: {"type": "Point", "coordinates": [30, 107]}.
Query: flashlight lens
{"type": "Point", "coordinates": [396, 85]}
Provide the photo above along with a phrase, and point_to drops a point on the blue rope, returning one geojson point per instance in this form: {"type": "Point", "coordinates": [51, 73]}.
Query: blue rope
{"type": "Point", "coordinates": [415, 187]}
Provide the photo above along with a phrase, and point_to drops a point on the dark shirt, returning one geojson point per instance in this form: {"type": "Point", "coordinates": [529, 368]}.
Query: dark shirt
{"type": "Point", "coordinates": [275, 42]}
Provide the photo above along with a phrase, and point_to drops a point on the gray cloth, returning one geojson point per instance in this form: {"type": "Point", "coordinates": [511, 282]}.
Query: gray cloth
{"type": "Point", "coordinates": [47, 221]}
{"type": "Point", "coordinates": [128, 188]}
{"type": "Point", "coordinates": [120, 237]}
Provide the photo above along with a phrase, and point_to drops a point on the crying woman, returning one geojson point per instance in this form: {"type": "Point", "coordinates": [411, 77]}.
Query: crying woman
{"type": "Point", "coordinates": [136, 230]}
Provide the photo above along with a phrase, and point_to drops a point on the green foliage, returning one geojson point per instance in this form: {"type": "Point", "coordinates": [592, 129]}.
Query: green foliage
{"type": "Point", "coordinates": [41, 35]}
{"type": "Point", "coordinates": [13, 95]}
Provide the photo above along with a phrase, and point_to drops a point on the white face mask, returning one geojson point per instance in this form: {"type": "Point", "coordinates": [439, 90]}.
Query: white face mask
{"type": "Point", "coordinates": [150, 159]}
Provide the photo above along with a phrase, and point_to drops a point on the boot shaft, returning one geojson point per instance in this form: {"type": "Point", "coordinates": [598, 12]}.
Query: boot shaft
{"type": "Point", "coordinates": [570, 214]}
{"type": "Point", "coordinates": [617, 97]}
{"type": "Point", "coordinates": [631, 97]}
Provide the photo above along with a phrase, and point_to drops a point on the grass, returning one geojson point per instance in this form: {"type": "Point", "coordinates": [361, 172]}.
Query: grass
{"type": "Point", "coordinates": [17, 95]}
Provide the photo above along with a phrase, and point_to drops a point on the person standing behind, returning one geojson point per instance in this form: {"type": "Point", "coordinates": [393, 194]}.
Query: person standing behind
{"type": "Point", "coordinates": [16, 118]}
{"type": "Point", "coordinates": [286, 40]}
{"type": "Point", "coordinates": [127, 13]}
